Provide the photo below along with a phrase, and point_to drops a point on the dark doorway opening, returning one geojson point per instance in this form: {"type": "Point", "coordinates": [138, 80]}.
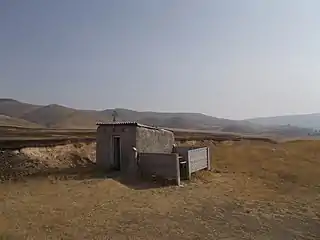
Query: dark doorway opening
{"type": "Point", "coordinates": [116, 153]}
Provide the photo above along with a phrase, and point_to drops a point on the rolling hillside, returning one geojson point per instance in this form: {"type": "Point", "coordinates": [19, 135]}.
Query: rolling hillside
{"type": "Point", "coordinates": [303, 120]}
{"type": "Point", "coordinates": [57, 116]}
{"type": "Point", "coordinates": [13, 108]}
{"type": "Point", "coordinates": [16, 122]}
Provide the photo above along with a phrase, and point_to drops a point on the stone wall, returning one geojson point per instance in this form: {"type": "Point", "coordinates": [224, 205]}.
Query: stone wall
{"type": "Point", "coordinates": [154, 140]}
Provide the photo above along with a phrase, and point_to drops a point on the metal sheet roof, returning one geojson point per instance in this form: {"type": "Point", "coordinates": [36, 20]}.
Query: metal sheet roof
{"type": "Point", "coordinates": [128, 123]}
{"type": "Point", "coordinates": [119, 123]}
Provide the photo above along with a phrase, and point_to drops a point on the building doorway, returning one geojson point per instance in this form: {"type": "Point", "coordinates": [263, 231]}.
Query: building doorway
{"type": "Point", "coordinates": [116, 143]}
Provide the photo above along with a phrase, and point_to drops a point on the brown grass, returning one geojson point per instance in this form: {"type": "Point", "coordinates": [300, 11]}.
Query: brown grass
{"type": "Point", "coordinates": [256, 190]}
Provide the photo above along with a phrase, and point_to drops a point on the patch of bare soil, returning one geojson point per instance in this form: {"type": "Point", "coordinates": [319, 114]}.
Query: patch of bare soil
{"type": "Point", "coordinates": [31, 161]}
{"type": "Point", "coordinates": [256, 190]}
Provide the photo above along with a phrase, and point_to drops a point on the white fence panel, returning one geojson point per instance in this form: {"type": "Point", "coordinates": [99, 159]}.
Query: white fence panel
{"type": "Point", "coordinates": [198, 159]}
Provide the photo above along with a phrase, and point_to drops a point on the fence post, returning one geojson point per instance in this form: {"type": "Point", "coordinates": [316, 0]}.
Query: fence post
{"type": "Point", "coordinates": [189, 166]}
{"type": "Point", "coordinates": [209, 159]}
{"type": "Point", "coordinates": [178, 169]}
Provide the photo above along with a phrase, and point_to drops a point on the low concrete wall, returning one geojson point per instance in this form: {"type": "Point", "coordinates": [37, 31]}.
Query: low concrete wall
{"type": "Point", "coordinates": [182, 151]}
{"type": "Point", "coordinates": [165, 165]}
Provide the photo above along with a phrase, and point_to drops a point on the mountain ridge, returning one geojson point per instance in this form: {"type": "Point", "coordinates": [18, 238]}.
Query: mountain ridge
{"type": "Point", "coordinates": [311, 120]}
{"type": "Point", "coordinates": [58, 116]}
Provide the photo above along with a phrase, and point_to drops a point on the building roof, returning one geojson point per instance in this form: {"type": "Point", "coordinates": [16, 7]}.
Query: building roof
{"type": "Point", "coordinates": [128, 123]}
{"type": "Point", "coordinates": [119, 123]}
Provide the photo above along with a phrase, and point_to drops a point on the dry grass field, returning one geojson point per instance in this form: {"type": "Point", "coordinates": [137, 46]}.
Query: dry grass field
{"type": "Point", "coordinates": [256, 190]}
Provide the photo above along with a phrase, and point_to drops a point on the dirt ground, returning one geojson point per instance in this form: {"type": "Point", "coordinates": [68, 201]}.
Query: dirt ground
{"type": "Point", "coordinates": [256, 190]}
{"type": "Point", "coordinates": [43, 161]}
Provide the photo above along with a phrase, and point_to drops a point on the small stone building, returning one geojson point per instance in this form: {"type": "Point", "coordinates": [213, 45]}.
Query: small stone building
{"type": "Point", "coordinates": [118, 142]}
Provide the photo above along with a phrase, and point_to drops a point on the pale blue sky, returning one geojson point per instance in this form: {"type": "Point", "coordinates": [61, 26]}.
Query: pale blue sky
{"type": "Point", "coordinates": [232, 59]}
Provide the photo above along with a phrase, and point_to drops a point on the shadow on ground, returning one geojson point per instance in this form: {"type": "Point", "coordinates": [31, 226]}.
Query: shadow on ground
{"type": "Point", "coordinates": [90, 172]}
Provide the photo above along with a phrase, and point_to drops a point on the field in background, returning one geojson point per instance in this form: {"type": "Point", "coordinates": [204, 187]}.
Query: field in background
{"type": "Point", "coordinates": [256, 190]}
{"type": "Point", "coordinates": [16, 133]}
{"type": "Point", "coordinates": [17, 137]}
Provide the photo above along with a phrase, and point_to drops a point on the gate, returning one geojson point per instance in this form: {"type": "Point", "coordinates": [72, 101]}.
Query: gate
{"type": "Point", "coordinates": [198, 159]}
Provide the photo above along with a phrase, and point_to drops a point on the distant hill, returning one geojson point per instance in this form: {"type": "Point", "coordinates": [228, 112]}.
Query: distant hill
{"type": "Point", "coordinates": [173, 120]}
{"type": "Point", "coordinates": [52, 116]}
{"type": "Point", "coordinates": [57, 116]}
{"type": "Point", "coordinates": [16, 122]}
{"type": "Point", "coordinates": [13, 108]}
{"type": "Point", "coordinates": [303, 121]}
{"type": "Point", "coordinates": [49, 115]}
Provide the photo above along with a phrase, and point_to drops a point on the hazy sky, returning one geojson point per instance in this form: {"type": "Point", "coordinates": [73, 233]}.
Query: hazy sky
{"type": "Point", "coordinates": [233, 59]}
